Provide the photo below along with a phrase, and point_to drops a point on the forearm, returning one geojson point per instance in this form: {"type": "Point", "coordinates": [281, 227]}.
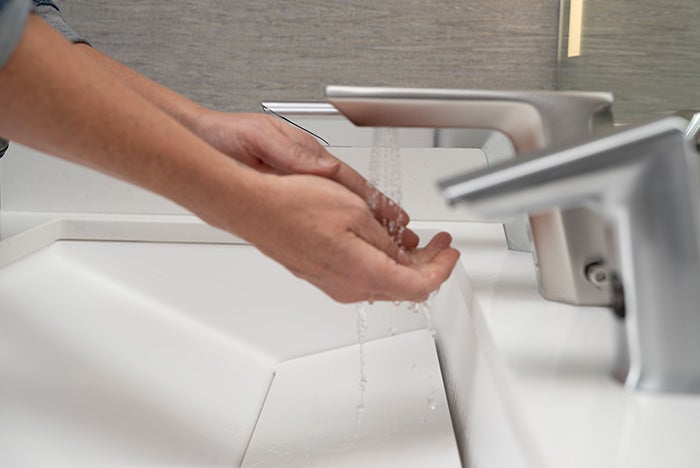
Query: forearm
{"type": "Point", "coordinates": [185, 111]}
{"type": "Point", "coordinates": [58, 101]}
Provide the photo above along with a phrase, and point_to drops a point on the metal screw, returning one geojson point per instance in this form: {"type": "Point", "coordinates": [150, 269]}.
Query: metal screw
{"type": "Point", "coordinates": [598, 275]}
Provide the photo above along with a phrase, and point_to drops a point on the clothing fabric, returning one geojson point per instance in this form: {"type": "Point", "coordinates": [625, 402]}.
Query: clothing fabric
{"type": "Point", "coordinates": [13, 17]}
{"type": "Point", "coordinates": [49, 12]}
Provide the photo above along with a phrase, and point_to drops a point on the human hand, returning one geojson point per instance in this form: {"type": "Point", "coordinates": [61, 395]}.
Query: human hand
{"type": "Point", "coordinates": [327, 235]}
{"type": "Point", "coordinates": [270, 145]}
{"type": "Point", "coordinates": [265, 143]}
{"type": "Point", "coordinates": [315, 227]}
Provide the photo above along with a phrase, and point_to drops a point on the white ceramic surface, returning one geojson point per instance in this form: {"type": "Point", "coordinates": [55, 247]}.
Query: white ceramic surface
{"type": "Point", "coordinates": [559, 362]}
{"type": "Point", "coordinates": [162, 353]}
{"type": "Point", "coordinates": [33, 182]}
{"type": "Point", "coordinates": [317, 415]}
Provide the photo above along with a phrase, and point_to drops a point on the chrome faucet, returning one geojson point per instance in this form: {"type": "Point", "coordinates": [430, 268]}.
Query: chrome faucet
{"type": "Point", "coordinates": [4, 144]}
{"type": "Point", "coordinates": [643, 182]}
{"type": "Point", "coordinates": [566, 244]}
{"type": "Point", "coordinates": [692, 133]}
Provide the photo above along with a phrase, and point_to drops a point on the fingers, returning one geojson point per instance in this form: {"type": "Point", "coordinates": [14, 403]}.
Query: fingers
{"type": "Point", "coordinates": [413, 281]}
{"type": "Point", "coordinates": [409, 239]}
{"type": "Point", "coordinates": [382, 206]}
{"type": "Point", "coordinates": [438, 243]}
{"type": "Point", "coordinates": [299, 159]}
{"type": "Point", "coordinates": [297, 152]}
{"type": "Point", "coordinates": [375, 235]}
{"type": "Point", "coordinates": [417, 281]}
{"type": "Point", "coordinates": [384, 266]}
{"type": "Point", "coordinates": [307, 156]}
{"type": "Point", "coordinates": [390, 214]}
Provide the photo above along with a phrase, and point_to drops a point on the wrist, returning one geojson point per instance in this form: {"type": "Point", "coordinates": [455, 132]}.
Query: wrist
{"type": "Point", "coordinates": [192, 115]}
{"type": "Point", "coordinates": [225, 195]}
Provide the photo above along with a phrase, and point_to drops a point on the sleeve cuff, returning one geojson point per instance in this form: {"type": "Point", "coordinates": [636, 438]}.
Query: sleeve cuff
{"type": "Point", "coordinates": [51, 15]}
{"type": "Point", "coordinates": [13, 18]}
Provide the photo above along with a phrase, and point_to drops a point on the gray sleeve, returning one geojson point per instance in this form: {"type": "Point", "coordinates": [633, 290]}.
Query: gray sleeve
{"type": "Point", "coordinates": [13, 17]}
{"type": "Point", "coordinates": [49, 12]}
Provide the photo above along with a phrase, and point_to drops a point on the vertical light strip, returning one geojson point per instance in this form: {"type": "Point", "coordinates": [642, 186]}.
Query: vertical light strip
{"type": "Point", "coordinates": [575, 27]}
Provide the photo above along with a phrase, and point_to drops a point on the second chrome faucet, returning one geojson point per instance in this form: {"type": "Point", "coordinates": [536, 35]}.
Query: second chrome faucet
{"type": "Point", "coordinates": [614, 213]}
{"type": "Point", "coordinates": [643, 183]}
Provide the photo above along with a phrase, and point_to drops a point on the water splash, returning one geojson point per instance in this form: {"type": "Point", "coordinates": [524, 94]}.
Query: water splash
{"type": "Point", "coordinates": [361, 312]}
{"type": "Point", "coordinates": [385, 177]}
{"type": "Point", "coordinates": [385, 164]}
{"type": "Point", "coordinates": [424, 308]}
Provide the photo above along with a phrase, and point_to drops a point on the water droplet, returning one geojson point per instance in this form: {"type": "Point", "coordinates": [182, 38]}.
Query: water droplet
{"type": "Point", "coordinates": [363, 382]}
{"type": "Point", "coordinates": [360, 412]}
{"type": "Point", "coordinates": [361, 312]}
{"type": "Point", "coordinates": [432, 404]}
{"type": "Point", "coordinates": [424, 307]}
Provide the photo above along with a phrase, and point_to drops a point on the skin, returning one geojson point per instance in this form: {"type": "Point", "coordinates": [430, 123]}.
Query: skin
{"type": "Point", "coordinates": [248, 174]}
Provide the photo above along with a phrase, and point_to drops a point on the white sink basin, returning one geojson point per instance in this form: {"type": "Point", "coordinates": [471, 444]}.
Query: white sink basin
{"type": "Point", "coordinates": [114, 352]}
{"type": "Point", "coordinates": [159, 341]}
{"type": "Point", "coordinates": [155, 340]}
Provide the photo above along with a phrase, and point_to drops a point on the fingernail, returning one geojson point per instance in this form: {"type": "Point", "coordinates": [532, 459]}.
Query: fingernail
{"type": "Point", "coordinates": [326, 162]}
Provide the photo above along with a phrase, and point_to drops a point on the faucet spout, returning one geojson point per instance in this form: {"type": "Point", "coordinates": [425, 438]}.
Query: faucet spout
{"type": "Point", "coordinates": [643, 182]}
{"type": "Point", "coordinates": [532, 120]}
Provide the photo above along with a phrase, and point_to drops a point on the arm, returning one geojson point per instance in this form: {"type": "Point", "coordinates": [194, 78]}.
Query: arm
{"type": "Point", "coordinates": [59, 101]}
{"type": "Point", "coordinates": [229, 133]}
{"type": "Point", "coordinates": [259, 141]}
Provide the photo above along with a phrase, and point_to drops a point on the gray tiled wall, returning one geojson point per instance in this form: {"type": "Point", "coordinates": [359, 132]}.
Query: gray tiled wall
{"type": "Point", "coordinates": [230, 55]}
{"type": "Point", "coordinates": [645, 51]}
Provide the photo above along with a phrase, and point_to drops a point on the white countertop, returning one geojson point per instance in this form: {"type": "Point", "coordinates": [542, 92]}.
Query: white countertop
{"type": "Point", "coordinates": [560, 358]}
{"type": "Point", "coordinates": [557, 358]}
